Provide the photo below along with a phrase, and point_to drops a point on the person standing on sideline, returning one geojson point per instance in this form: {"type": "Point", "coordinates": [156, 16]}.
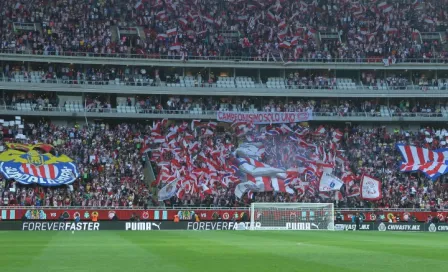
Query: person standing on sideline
{"type": "Point", "coordinates": [77, 218]}
{"type": "Point", "coordinates": [357, 221]}
{"type": "Point", "coordinates": [94, 217]}
{"type": "Point", "coordinates": [353, 221]}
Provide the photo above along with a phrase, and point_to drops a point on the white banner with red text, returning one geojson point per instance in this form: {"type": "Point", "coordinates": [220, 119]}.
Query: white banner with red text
{"type": "Point", "coordinates": [259, 118]}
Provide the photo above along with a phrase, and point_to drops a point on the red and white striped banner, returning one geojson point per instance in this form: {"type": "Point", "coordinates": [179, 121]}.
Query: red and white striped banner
{"type": "Point", "coordinates": [432, 163]}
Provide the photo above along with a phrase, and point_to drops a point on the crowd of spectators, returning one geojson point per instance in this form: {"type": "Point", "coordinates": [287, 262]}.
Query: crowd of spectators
{"type": "Point", "coordinates": [282, 30]}
{"type": "Point", "coordinates": [139, 76]}
{"type": "Point", "coordinates": [110, 164]}
{"type": "Point", "coordinates": [366, 151]}
{"type": "Point", "coordinates": [107, 158]}
{"type": "Point", "coordinates": [183, 104]}
{"type": "Point", "coordinates": [405, 108]}
{"type": "Point", "coordinates": [170, 104]}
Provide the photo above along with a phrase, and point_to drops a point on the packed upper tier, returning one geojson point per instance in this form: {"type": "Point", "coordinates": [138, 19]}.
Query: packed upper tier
{"type": "Point", "coordinates": [277, 30]}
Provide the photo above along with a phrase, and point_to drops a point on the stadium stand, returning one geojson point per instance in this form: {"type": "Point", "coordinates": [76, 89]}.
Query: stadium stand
{"type": "Point", "coordinates": [111, 164]}
{"type": "Point", "coordinates": [282, 30]}
{"type": "Point", "coordinates": [140, 73]}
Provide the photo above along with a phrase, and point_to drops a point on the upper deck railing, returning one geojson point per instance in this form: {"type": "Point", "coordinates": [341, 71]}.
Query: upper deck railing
{"type": "Point", "coordinates": [216, 61]}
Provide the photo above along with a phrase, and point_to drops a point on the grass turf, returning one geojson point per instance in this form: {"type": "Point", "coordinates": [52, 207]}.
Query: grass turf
{"type": "Point", "coordinates": [222, 251]}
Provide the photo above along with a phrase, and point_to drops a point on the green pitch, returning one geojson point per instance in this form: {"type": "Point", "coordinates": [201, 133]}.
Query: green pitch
{"type": "Point", "coordinates": [223, 251]}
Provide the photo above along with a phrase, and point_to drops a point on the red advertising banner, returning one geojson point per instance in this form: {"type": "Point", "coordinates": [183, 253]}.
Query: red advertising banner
{"type": "Point", "coordinates": [204, 215]}
{"type": "Point", "coordinates": [420, 216]}
{"type": "Point", "coordinates": [86, 214]}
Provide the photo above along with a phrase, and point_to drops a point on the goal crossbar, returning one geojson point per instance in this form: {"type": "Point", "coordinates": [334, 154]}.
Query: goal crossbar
{"type": "Point", "coordinates": [292, 216]}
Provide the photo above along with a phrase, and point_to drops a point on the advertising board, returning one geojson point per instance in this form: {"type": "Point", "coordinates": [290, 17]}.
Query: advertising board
{"type": "Point", "coordinates": [42, 225]}
{"type": "Point", "coordinates": [13, 213]}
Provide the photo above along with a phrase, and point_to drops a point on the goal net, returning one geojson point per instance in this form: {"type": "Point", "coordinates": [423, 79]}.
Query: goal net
{"type": "Point", "coordinates": [292, 216]}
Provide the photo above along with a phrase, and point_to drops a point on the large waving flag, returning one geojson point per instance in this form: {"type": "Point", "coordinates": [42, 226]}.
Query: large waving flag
{"type": "Point", "coordinates": [255, 168]}
{"type": "Point", "coordinates": [432, 163]}
{"type": "Point", "coordinates": [329, 182]}
{"type": "Point", "coordinates": [370, 188]}
{"type": "Point", "coordinates": [35, 164]}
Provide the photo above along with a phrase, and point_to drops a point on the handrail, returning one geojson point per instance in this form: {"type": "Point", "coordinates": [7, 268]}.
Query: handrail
{"type": "Point", "coordinates": [141, 111]}
{"type": "Point", "coordinates": [205, 208]}
{"type": "Point", "coordinates": [177, 58]}
{"type": "Point", "coordinates": [150, 83]}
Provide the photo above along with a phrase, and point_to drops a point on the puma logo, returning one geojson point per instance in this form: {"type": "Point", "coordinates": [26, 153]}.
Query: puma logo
{"type": "Point", "coordinates": [157, 226]}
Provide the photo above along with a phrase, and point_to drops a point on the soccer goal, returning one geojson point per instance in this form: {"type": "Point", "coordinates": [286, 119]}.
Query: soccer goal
{"type": "Point", "coordinates": [292, 216]}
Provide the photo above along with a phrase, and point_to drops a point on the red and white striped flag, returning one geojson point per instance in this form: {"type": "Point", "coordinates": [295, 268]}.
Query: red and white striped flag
{"type": "Point", "coordinates": [353, 190]}
{"type": "Point", "coordinates": [263, 183]}
{"type": "Point", "coordinates": [338, 196]}
{"type": "Point", "coordinates": [312, 32]}
{"type": "Point", "coordinates": [429, 20]}
{"type": "Point", "coordinates": [418, 155]}
{"type": "Point", "coordinates": [43, 171]}
{"type": "Point", "coordinates": [392, 30]}
{"type": "Point", "coordinates": [320, 130]}
{"type": "Point", "coordinates": [279, 186]}
{"type": "Point", "coordinates": [93, 159]}
{"type": "Point", "coordinates": [270, 15]}
{"type": "Point", "coordinates": [161, 15]}
{"type": "Point", "coordinates": [195, 123]}
{"type": "Point", "coordinates": [282, 24]}
{"type": "Point", "coordinates": [171, 32]}
{"type": "Point", "coordinates": [251, 7]}
{"type": "Point", "coordinates": [295, 40]}
{"type": "Point", "coordinates": [175, 46]}
{"type": "Point", "coordinates": [387, 8]}
{"type": "Point", "coordinates": [208, 132]}
{"type": "Point", "coordinates": [242, 18]}
{"type": "Point", "coordinates": [162, 36]}
{"type": "Point", "coordinates": [208, 18]}
{"type": "Point", "coordinates": [183, 22]}
{"type": "Point", "coordinates": [250, 195]}
{"type": "Point", "coordinates": [337, 136]}
{"type": "Point", "coordinates": [282, 34]}
{"type": "Point", "coordinates": [284, 44]}
{"type": "Point", "coordinates": [115, 153]}
{"type": "Point", "coordinates": [205, 189]}
{"type": "Point", "coordinates": [212, 125]}
{"type": "Point", "coordinates": [159, 139]}
{"type": "Point", "coordinates": [381, 5]}
{"type": "Point", "coordinates": [138, 5]}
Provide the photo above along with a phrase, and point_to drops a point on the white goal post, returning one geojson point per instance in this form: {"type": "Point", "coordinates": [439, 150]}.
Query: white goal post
{"type": "Point", "coordinates": [292, 216]}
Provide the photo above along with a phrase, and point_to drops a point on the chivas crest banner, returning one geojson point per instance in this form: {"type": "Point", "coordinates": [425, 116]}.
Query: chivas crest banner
{"type": "Point", "coordinates": [370, 188]}
{"type": "Point", "coordinates": [28, 164]}
{"type": "Point", "coordinates": [168, 191]}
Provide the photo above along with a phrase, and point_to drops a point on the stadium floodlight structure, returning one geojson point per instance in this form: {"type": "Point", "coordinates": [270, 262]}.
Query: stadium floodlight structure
{"type": "Point", "coordinates": [292, 216]}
